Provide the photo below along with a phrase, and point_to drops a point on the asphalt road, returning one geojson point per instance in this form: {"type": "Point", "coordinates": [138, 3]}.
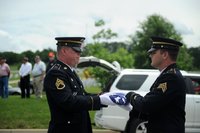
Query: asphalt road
{"type": "Point", "coordinates": [45, 131]}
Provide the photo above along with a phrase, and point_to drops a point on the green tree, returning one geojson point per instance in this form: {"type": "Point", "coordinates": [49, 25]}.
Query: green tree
{"type": "Point", "coordinates": [44, 54]}
{"type": "Point", "coordinates": [28, 54]}
{"type": "Point", "coordinates": [155, 25]}
{"type": "Point", "coordinates": [15, 58]}
{"type": "Point", "coordinates": [108, 50]}
{"type": "Point", "coordinates": [195, 53]}
{"type": "Point", "coordinates": [103, 34]}
{"type": "Point", "coordinates": [124, 58]}
{"type": "Point", "coordinates": [105, 49]}
{"type": "Point", "coordinates": [184, 60]}
{"type": "Point", "coordinates": [11, 57]}
{"type": "Point", "coordinates": [96, 50]}
{"type": "Point", "coordinates": [114, 46]}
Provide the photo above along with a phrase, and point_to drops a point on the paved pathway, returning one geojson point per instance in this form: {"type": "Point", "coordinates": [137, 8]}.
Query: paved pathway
{"type": "Point", "coordinates": [45, 131]}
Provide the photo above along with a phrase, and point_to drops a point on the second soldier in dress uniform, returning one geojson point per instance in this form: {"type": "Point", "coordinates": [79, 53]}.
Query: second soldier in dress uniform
{"type": "Point", "coordinates": [68, 102]}
{"type": "Point", "coordinates": [164, 106]}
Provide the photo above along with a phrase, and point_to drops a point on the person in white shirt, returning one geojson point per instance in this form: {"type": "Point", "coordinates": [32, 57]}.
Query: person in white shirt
{"type": "Point", "coordinates": [38, 74]}
{"type": "Point", "coordinates": [24, 72]}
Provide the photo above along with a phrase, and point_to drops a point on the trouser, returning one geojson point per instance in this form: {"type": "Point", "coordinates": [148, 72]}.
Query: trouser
{"type": "Point", "coordinates": [1, 88]}
{"type": "Point", "coordinates": [25, 86]}
{"type": "Point", "coordinates": [38, 86]}
{"type": "Point", "coordinates": [4, 86]}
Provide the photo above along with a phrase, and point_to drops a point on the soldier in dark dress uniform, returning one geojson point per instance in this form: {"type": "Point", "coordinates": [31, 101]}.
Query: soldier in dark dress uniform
{"type": "Point", "coordinates": [68, 102]}
{"type": "Point", "coordinates": [164, 106]}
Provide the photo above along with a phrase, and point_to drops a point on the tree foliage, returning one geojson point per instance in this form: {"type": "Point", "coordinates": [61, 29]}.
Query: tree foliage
{"type": "Point", "coordinates": [109, 51]}
{"type": "Point", "coordinates": [128, 55]}
{"type": "Point", "coordinates": [195, 53]}
{"type": "Point", "coordinates": [155, 25]}
{"type": "Point", "coordinates": [185, 60]}
{"type": "Point", "coordinates": [103, 34]}
{"type": "Point", "coordinates": [11, 57]}
{"type": "Point", "coordinates": [16, 58]}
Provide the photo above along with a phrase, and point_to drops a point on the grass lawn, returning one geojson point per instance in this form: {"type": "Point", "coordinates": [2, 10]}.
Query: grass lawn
{"type": "Point", "coordinates": [23, 113]}
{"type": "Point", "coordinates": [17, 113]}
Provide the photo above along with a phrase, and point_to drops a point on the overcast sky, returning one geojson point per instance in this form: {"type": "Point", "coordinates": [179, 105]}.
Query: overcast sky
{"type": "Point", "coordinates": [33, 24]}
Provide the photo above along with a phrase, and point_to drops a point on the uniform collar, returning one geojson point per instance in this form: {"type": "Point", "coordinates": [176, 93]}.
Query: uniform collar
{"type": "Point", "coordinates": [171, 66]}
{"type": "Point", "coordinates": [62, 63]}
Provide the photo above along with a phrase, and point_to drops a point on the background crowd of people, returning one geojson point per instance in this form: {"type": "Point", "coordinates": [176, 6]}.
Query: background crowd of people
{"type": "Point", "coordinates": [27, 71]}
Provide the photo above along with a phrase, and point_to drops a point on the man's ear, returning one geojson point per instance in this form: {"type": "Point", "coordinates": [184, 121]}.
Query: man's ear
{"type": "Point", "coordinates": [64, 50]}
{"type": "Point", "coordinates": [165, 55]}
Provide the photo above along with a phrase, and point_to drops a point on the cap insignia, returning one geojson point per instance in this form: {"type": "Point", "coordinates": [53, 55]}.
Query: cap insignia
{"type": "Point", "coordinates": [59, 84]}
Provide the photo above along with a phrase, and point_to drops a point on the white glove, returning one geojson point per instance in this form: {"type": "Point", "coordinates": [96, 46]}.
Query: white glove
{"type": "Point", "coordinates": [105, 99]}
{"type": "Point", "coordinates": [127, 107]}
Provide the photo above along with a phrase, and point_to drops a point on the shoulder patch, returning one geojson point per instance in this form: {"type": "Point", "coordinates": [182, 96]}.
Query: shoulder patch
{"type": "Point", "coordinates": [60, 84]}
{"type": "Point", "coordinates": [162, 86]}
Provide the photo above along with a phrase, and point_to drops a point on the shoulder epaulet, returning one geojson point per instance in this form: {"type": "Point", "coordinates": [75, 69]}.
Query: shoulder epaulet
{"type": "Point", "coordinates": [172, 71]}
{"type": "Point", "coordinates": [59, 67]}
{"type": "Point", "coordinates": [56, 66]}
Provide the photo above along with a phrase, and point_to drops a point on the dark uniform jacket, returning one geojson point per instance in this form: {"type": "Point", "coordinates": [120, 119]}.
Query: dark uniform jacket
{"type": "Point", "coordinates": [50, 64]}
{"type": "Point", "coordinates": [68, 102]}
{"type": "Point", "coordinates": [164, 105]}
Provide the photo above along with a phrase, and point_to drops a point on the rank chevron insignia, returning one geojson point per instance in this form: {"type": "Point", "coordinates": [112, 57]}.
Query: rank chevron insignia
{"type": "Point", "coordinates": [59, 84]}
{"type": "Point", "coordinates": [163, 86]}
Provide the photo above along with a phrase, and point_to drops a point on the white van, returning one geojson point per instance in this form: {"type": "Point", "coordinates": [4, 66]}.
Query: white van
{"type": "Point", "coordinates": [140, 81]}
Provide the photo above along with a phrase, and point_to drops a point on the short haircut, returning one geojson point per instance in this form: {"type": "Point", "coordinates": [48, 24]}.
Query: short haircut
{"type": "Point", "coordinates": [173, 54]}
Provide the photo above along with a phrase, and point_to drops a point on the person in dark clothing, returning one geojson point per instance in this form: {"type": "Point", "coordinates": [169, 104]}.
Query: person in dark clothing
{"type": "Point", "coordinates": [68, 102]}
{"type": "Point", "coordinates": [164, 106]}
{"type": "Point", "coordinates": [51, 62]}
{"type": "Point", "coordinates": [24, 72]}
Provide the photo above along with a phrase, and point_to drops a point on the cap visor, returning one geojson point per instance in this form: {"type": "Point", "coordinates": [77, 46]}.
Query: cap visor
{"type": "Point", "coordinates": [151, 50]}
{"type": "Point", "coordinates": [77, 49]}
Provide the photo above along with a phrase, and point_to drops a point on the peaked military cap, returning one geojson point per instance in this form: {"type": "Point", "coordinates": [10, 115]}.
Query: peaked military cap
{"type": "Point", "coordinates": [164, 43]}
{"type": "Point", "coordinates": [73, 42]}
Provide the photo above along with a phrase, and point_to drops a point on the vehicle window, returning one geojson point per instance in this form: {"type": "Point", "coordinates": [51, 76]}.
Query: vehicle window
{"type": "Point", "coordinates": [131, 82]}
{"type": "Point", "coordinates": [188, 83]}
{"type": "Point", "coordinates": [193, 85]}
{"type": "Point", "coordinates": [196, 85]}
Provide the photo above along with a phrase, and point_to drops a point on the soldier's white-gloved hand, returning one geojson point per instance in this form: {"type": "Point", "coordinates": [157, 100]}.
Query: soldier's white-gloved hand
{"type": "Point", "coordinates": [105, 99]}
